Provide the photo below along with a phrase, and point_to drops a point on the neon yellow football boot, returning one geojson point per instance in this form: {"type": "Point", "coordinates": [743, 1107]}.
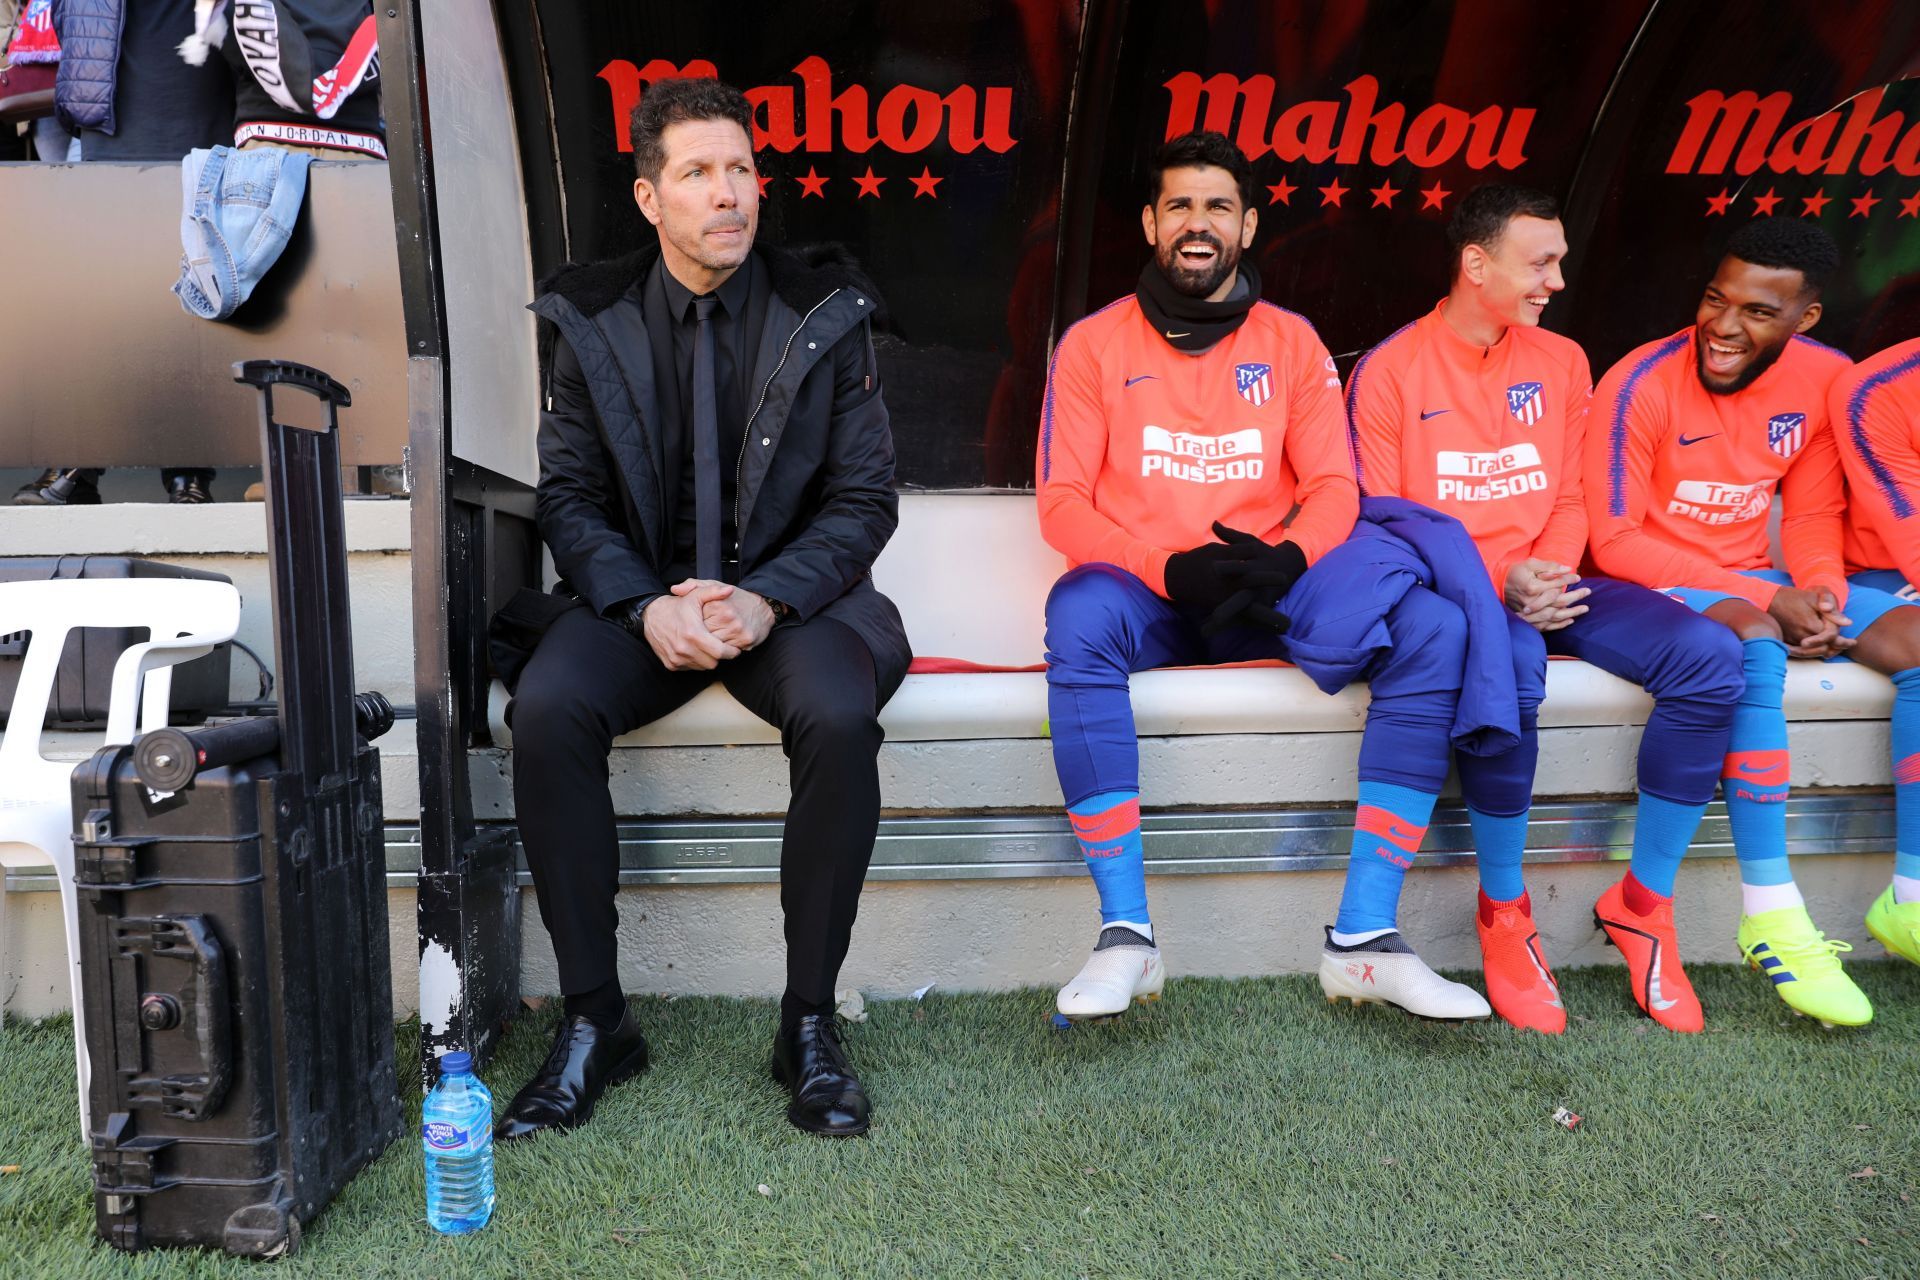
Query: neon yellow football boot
{"type": "Point", "coordinates": [1896, 925]}
{"type": "Point", "coordinates": [1804, 967]}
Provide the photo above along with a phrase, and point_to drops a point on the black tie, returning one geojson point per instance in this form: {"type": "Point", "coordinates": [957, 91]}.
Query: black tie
{"type": "Point", "coordinates": [706, 446]}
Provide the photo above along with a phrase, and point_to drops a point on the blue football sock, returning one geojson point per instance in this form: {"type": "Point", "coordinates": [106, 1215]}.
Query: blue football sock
{"type": "Point", "coordinates": [1387, 830]}
{"type": "Point", "coordinates": [1754, 776]}
{"type": "Point", "coordinates": [1662, 830]}
{"type": "Point", "coordinates": [1108, 829]}
{"type": "Point", "coordinates": [1906, 773]}
{"type": "Point", "coordinates": [1499, 844]}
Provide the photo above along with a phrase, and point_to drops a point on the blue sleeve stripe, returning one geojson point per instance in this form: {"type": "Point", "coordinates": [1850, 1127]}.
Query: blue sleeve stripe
{"type": "Point", "coordinates": [1897, 499]}
{"type": "Point", "coordinates": [1818, 345]}
{"type": "Point", "coordinates": [1046, 409]}
{"type": "Point", "coordinates": [1617, 428]}
{"type": "Point", "coordinates": [1353, 387]}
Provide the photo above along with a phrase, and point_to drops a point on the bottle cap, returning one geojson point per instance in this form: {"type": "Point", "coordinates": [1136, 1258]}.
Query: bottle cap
{"type": "Point", "coordinates": [456, 1063]}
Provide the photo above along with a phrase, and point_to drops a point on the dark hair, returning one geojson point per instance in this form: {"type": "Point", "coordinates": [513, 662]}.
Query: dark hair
{"type": "Point", "coordinates": [1791, 244]}
{"type": "Point", "coordinates": [675, 101]}
{"type": "Point", "coordinates": [1201, 147]}
{"type": "Point", "coordinates": [1483, 213]}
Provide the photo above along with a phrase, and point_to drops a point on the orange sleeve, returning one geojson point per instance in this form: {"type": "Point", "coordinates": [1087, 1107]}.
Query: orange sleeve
{"type": "Point", "coordinates": [1564, 539]}
{"type": "Point", "coordinates": [1316, 449]}
{"type": "Point", "coordinates": [1813, 498]}
{"type": "Point", "coordinates": [1073, 448]}
{"type": "Point", "coordinates": [1373, 423]}
{"type": "Point", "coordinates": [1883, 467]}
{"type": "Point", "coordinates": [1629, 419]}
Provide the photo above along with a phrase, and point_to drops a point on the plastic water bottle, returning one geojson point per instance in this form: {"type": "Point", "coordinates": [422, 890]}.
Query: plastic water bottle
{"type": "Point", "coordinates": [456, 1129]}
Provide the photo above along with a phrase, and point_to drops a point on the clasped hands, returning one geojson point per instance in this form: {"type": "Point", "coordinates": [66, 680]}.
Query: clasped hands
{"type": "Point", "coordinates": [1544, 595]}
{"type": "Point", "coordinates": [701, 623]}
{"type": "Point", "coordinates": [1810, 622]}
{"type": "Point", "coordinates": [1236, 580]}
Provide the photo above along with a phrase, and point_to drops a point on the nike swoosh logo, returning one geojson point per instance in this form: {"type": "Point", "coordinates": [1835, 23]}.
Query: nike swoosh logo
{"type": "Point", "coordinates": [1172, 334]}
{"type": "Point", "coordinates": [1143, 377]}
{"type": "Point", "coordinates": [1750, 770]}
{"type": "Point", "coordinates": [1397, 833]}
{"type": "Point", "coordinates": [1433, 414]}
{"type": "Point", "coordinates": [1687, 440]}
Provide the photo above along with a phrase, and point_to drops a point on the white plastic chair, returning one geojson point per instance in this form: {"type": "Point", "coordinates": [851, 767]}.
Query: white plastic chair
{"type": "Point", "coordinates": [185, 619]}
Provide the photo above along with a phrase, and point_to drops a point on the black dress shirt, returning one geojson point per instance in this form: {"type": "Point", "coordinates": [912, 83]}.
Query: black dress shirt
{"type": "Point", "coordinates": [737, 323]}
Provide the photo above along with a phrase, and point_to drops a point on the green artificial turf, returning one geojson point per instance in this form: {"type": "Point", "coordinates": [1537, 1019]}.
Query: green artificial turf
{"type": "Point", "coordinates": [1238, 1128]}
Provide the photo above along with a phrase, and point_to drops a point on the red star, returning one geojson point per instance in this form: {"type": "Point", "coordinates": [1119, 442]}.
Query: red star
{"type": "Point", "coordinates": [812, 185]}
{"type": "Point", "coordinates": [1910, 207]}
{"type": "Point", "coordinates": [924, 184]}
{"type": "Point", "coordinates": [1763, 205]}
{"type": "Point", "coordinates": [1718, 204]}
{"type": "Point", "coordinates": [1282, 191]}
{"type": "Point", "coordinates": [1435, 195]}
{"type": "Point", "coordinates": [868, 184]}
{"type": "Point", "coordinates": [1383, 194]}
{"type": "Point", "coordinates": [763, 179]}
{"type": "Point", "coordinates": [1863, 205]}
{"type": "Point", "coordinates": [1331, 195]}
{"type": "Point", "coordinates": [1816, 204]}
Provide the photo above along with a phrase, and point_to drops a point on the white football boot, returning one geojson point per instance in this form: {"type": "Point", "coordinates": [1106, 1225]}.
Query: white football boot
{"type": "Point", "coordinates": [1113, 978]}
{"type": "Point", "coordinates": [1385, 970]}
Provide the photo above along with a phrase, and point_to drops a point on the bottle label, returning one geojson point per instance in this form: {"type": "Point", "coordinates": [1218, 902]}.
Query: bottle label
{"type": "Point", "coordinates": [442, 1136]}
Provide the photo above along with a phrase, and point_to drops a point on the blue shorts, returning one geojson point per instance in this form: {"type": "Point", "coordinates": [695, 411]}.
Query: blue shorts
{"type": "Point", "coordinates": [1872, 594]}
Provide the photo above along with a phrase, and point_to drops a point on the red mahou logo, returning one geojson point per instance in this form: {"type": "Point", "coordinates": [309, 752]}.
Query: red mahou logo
{"type": "Point", "coordinates": [814, 118]}
{"type": "Point", "coordinates": [1346, 131]}
{"type": "Point", "coordinates": [1833, 142]}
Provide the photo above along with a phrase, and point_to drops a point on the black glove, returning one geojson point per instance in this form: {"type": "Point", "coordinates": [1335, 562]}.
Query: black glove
{"type": "Point", "coordinates": [1260, 573]}
{"type": "Point", "coordinates": [1194, 578]}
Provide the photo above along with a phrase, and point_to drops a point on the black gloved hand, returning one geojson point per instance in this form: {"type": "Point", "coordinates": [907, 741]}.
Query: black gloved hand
{"type": "Point", "coordinates": [1194, 579]}
{"type": "Point", "coordinates": [1260, 574]}
{"type": "Point", "coordinates": [1247, 607]}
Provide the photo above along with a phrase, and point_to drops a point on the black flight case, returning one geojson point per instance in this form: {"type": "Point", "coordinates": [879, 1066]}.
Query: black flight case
{"type": "Point", "coordinates": [233, 916]}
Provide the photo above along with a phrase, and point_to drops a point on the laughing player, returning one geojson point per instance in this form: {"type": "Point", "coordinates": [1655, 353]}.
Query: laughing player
{"type": "Point", "coordinates": [1475, 410]}
{"type": "Point", "coordinates": [1693, 436]}
{"type": "Point", "coordinates": [1188, 409]}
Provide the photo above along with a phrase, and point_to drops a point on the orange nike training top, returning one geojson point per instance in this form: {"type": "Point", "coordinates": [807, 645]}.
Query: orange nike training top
{"type": "Point", "coordinates": [1489, 435]}
{"type": "Point", "coordinates": [1143, 447]}
{"type": "Point", "coordinates": [1679, 481]}
{"type": "Point", "coordinates": [1876, 421]}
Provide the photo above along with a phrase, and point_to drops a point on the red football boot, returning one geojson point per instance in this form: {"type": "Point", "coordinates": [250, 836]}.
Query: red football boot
{"type": "Point", "coordinates": [1520, 987]}
{"type": "Point", "coordinates": [1652, 952]}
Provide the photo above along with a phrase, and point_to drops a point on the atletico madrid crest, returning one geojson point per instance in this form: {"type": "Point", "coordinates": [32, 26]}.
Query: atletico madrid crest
{"type": "Point", "coordinates": [1254, 382]}
{"type": "Point", "coordinates": [1525, 402]}
{"type": "Point", "coordinates": [1786, 432]}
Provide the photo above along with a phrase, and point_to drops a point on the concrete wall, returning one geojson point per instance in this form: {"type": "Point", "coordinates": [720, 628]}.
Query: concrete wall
{"type": "Point", "coordinates": [998, 934]}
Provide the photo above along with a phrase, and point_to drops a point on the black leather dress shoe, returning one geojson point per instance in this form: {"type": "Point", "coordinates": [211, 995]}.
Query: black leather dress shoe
{"type": "Point", "coordinates": [584, 1064]}
{"type": "Point", "coordinates": [811, 1062]}
{"type": "Point", "coordinates": [188, 489]}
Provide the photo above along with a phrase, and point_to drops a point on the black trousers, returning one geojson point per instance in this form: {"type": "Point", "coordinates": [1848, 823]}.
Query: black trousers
{"type": "Point", "coordinates": [589, 681]}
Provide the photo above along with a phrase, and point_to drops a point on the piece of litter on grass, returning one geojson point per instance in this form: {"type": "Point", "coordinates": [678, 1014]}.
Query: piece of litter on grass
{"type": "Point", "coordinates": [1864, 1128]}
{"type": "Point", "coordinates": [852, 1006]}
{"type": "Point", "coordinates": [1388, 1160]}
{"type": "Point", "coordinates": [1061, 1022]}
{"type": "Point", "coordinates": [9, 1168]}
{"type": "Point", "coordinates": [1868, 1172]}
{"type": "Point", "coordinates": [1863, 1240]}
{"type": "Point", "coordinates": [764, 1190]}
{"type": "Point", "coordinates": [1565, 1118]}
{"type": "Point", "coordinates": [921, 993]}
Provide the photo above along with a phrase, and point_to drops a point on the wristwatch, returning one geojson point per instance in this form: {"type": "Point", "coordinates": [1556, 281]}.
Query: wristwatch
{"type": "Point", "coordinates": [782, 611]}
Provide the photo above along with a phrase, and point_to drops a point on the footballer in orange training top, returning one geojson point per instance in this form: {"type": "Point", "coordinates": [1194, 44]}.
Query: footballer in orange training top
{"type": "Point", "coordinates": [1692, 436]}
{"type": "Point", "coordinates": [1875, 410]}
{"type": "Point", "coordinates": [1475, 410]}
{"type": "Point", "coordinates": [1189, 409]}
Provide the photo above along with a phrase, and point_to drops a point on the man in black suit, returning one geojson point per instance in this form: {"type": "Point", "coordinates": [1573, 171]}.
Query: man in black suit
{"type": "Point", "coordinates": [716, 479]}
